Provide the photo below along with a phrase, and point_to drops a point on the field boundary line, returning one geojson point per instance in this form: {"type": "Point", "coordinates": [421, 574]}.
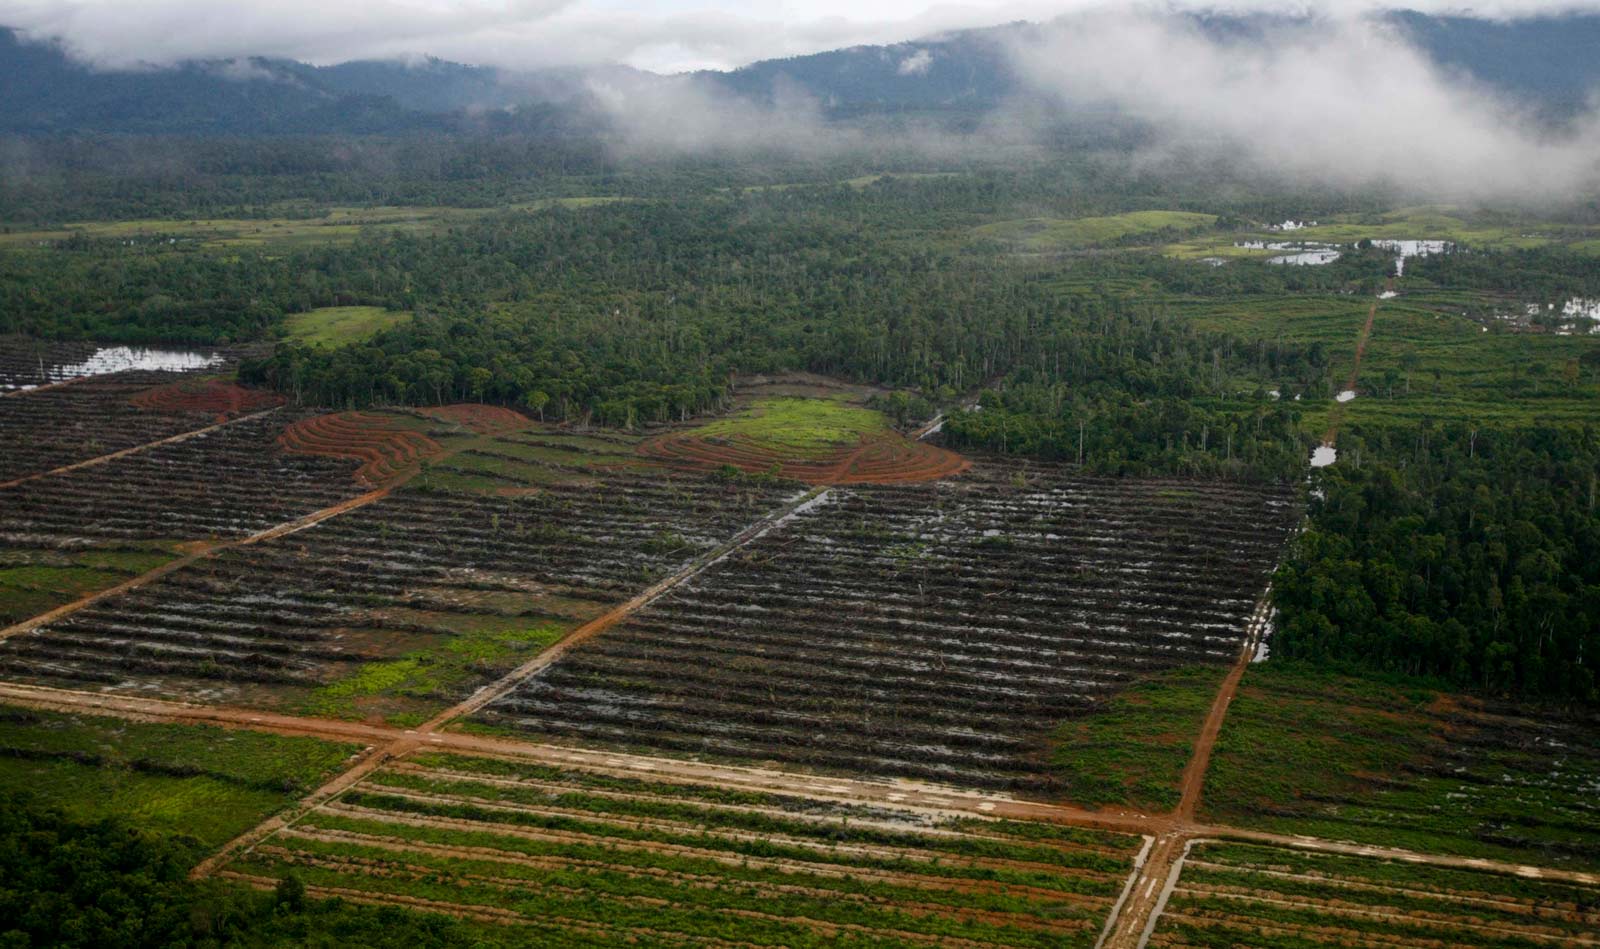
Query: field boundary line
{"type": "Point", "coordinates": [30, 390]}
{"type": "Point", "coordinates": [136, 449]}
{"type": "Point", "coordinates": [1127, 890]}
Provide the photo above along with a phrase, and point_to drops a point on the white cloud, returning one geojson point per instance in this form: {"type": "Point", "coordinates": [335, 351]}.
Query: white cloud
{"type": "Point", "coordinates": [1342, 101]}
{"type": "Point", "coordinates": [916, 64]}
{"type": "Point", "coordinates": [652, 34]}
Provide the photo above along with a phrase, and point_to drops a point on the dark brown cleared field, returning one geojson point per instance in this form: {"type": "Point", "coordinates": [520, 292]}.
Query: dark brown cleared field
{"type": "Point", "coordinates": [407, 572]}
{"type": "Point", "coordinates": [227, 483]}
{"type": "Point", "coordinates": [936, 631]}
{"type": "Point", "coordinates": [56, 427]}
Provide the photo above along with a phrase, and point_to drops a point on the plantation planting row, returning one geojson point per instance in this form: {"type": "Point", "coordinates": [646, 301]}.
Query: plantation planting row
{"type": "Point", "coordinates": [571, 853]}
{"type": "Point", "coordinates": [410, 572]}
{"type": "Point", "coordinates": [1241, 894]}
{"type": "Point", "coordinates": [56, 427]}
{"type": "Point", "coordinates": [379, 441]}
{"type": "Point", "coordinates": [222, 484]}
{"type": "Point", "coordinates": [938, 631]}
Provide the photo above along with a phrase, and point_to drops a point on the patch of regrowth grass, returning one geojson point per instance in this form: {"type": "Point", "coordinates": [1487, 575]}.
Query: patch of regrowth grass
{"type": "Point", "coordinates": [1132, 751]}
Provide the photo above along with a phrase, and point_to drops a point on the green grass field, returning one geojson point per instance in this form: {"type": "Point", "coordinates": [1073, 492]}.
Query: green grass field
{"type": "Point", "coordinates": [1042, 235]}
{"type": "Point", "coordinates": [1310, 752]}
{"type": "Point", "coordinates": [340, 325]}
{"type": "Point", "coordinates": [187, 780]}
{"type": "Point", "coordinates": [796, 427]}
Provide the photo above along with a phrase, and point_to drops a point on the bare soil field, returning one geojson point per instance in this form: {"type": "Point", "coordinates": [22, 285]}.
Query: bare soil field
{"type": "Point", "coordinates": [562, 851]}
{"type": "Point", "coordinates": [938, 631]}
{"type": "Point", "coordinates": [51, 428]}
{"type": "Point", "coordinates": [215, 397]}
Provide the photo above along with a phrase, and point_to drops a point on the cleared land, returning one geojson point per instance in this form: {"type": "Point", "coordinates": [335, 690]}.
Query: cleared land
{"type": "Point", "coordinates": [340, 325]}
{"type": "Point", "coordinates": [818, 441]}
{"type": "Point", "coordinates": [566, 851]}
{"type": "Point", "coordinates": [394, 610]}
{"type": "Point", "coordinates": [1042, 235]}
{"type": "Point", "coordinates": [1235, 894]}
{"type": "Point", "coordinates": [941, 631]}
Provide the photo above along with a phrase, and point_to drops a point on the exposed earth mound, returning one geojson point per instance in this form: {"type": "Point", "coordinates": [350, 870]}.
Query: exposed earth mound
{"type": "Point", "coordinates": [384, 447]}
{"type": "Point", "coordinates": [211, 396]}
{"type": "Point", "coordinates": [818, 441]}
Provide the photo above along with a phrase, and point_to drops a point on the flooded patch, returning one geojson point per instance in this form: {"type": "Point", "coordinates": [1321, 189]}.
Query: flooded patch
{"type": "Point", "coordinates": [1347, 395]}
{"type": "Point", "coordinates": [1387, 295]}
{"type": "Point", "coordinates": [1323, 456]}
{"type": "Point", "coordinates": [1409, 248]}
{"type": "Point", "coordinates": [125, 358]}
{"type": "Point", "coordinates": [1306, 258]}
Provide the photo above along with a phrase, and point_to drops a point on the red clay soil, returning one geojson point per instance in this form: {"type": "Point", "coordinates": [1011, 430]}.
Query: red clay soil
{"type": "Point", "coordinates": [482, 419]}
{"type": "Point", "coordinates": [884, 459]}
{"type": "Point", "coordinates": [385, 450]}
{"type": "Point", "coordinates": [211, 396]}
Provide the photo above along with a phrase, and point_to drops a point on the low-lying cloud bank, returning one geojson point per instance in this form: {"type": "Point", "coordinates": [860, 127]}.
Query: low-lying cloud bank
{"type": "Point", "coordinates": [1338, 101]}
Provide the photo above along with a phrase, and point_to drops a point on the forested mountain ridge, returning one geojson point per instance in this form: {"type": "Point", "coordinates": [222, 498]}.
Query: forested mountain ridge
{"type": "Point", "coordinates": [1544, 62]}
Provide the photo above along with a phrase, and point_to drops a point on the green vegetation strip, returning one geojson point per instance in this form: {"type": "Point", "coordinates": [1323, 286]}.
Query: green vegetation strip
{"type": "Point", "coordinates": [194, 781]}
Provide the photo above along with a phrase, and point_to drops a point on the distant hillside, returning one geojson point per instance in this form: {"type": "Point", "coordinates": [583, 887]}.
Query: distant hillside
{"type": "Point", "coordinates": [1549, 63]}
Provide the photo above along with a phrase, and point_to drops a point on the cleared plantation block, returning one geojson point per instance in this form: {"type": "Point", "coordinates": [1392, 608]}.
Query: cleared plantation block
{"type": "Point", "coordinates": [205, 783]}
{"type": "Point", "coordinates": [1308, 752]}
{"type": "Point", "coordinates": [223, 484]}
{"type": "Point", "coordinates": [936, 631]}
{"type": "Point", "coordinates": [42, 431]}
{"type": "Point", "coordinates": [394, 610]}
{"type": "Point", "coordinates": [571, 852]}
{"type": "Point", "coordinates": [1232, 894]}
{"type": "Point", "coordinates": [481, 419]}
{"type": "Point", "coordinates": [386, 445]}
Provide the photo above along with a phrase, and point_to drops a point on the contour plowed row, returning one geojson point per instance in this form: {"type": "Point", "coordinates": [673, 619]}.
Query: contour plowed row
{"type": "Point", "coordinates": [376, 440]}
{"type": "Point", "coordinates": [884, 459]}
{"type": "Point", "coordinates": [483, 419]}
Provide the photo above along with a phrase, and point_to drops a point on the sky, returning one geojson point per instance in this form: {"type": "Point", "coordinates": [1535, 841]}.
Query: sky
{"type": "Point", "coordinates": [659, 35]}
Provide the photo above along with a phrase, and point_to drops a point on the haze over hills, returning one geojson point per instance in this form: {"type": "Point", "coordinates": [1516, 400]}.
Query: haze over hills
{"type": "Point", "coordinates": [1545, 63]}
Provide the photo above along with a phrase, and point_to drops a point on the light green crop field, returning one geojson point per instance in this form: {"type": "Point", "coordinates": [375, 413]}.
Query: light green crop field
{"type": "Point", "coordinates": [1040, 235]}
{"type": "Point", "coordinates": [796, 426]}
{"type": "Point", "coordinates": [341, 325]}
{"type": "Point", "coordinates": [202, 782]}
{"type": "Point", "coordinates": [559, 852]}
